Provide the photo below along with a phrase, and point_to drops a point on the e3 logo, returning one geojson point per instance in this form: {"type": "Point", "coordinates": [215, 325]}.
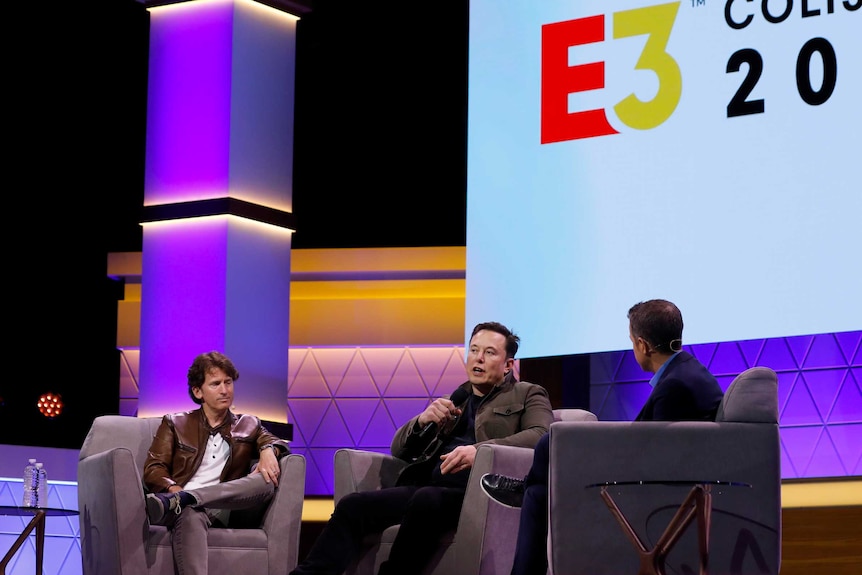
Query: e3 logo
{"type": "Point", "coordinates": [559, 79]}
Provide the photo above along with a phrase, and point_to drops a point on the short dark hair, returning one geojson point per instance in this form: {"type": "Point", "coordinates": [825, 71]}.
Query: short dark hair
{"type": "Point", "coordinates": [512, 340]}
{"type": "Point", "coordinates": [659, 322]}
{"type": "Point", "coordinates": [203, 364]}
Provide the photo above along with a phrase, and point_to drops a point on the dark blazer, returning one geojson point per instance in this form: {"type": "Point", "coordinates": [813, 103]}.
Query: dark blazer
{"type": "Point", "coordinates": [685, 392]}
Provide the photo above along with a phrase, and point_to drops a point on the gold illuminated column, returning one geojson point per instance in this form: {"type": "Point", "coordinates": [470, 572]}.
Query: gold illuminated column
{"type": "Point", "coordinates": [218, 201]}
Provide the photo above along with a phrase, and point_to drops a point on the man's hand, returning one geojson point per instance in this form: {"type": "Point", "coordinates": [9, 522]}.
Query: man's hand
{"type": "Point", "coordinates": [440, 411]}
{"type": "Point", "coordinates": [459, 459]}
{"type": "Point", "coordinates": [268, 466]}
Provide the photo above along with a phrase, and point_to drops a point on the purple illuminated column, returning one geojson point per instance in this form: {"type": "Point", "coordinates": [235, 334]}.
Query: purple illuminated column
{"type": "Point", "coordinates": [218, 201]}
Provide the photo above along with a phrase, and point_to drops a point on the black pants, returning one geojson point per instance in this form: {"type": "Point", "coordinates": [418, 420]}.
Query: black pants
{"type": "Point", "coordinates": [531, 550]}
{"type": "Point", "coordinates": [424, 513]}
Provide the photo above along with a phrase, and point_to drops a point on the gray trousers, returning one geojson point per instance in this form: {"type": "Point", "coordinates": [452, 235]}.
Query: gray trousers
{"type": "Point", "coordinates": [189, 531]}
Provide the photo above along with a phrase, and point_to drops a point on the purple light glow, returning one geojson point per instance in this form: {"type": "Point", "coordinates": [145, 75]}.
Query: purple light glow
{"type": "Point", "coordinates": [220, 109]}
{"type": "Point", "coordinates": [217, 283]}
{"type": "Point", "coordinates": [182, 307]}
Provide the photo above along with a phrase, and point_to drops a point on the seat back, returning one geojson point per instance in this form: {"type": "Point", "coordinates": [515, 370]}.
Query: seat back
{"type": "Point", "coordinates": [112, 431]}
{"type": "Point", "coordinates": [742, 447]}
{"type": "Point", "coordinates": [574, 414]}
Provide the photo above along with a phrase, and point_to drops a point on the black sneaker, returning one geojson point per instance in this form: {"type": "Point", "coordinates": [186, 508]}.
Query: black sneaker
{"type": "Point", "coordinates": [504, 490]}
{"type": "Point", "coordinates": [162, 508]}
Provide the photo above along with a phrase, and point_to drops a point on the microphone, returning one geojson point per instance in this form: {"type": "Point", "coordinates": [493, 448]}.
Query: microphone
{"type": "Point", "coordinates": [425, 435]}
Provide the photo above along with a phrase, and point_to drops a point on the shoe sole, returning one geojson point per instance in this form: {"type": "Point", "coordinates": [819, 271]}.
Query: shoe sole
{"type": "Point", "coordinates": [497, 501]}
{"type": "Point", "coordinates": [155, 510]}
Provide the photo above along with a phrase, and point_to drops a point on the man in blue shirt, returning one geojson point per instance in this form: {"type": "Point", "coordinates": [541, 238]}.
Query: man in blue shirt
{"type": "Point", "coordinates": [682, 390]}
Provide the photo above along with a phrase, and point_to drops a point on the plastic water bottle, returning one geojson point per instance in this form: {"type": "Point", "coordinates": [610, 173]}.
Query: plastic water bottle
{"type": "Point", "coordinates": [29, 484]}
{"type": "Point", "coordinates": [41, 486]}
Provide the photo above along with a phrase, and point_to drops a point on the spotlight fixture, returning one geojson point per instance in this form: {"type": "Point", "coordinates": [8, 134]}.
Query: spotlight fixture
{"type": "Point", "coordinates": [50, 404]}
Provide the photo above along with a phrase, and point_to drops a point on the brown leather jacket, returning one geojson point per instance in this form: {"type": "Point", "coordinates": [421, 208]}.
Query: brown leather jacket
{"type": "Point", "coordinates": [180, 441]}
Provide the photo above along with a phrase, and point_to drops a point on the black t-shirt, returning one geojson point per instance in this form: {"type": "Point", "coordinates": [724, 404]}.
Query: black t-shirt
{"type": "Point", "coordinates": [464, 433]}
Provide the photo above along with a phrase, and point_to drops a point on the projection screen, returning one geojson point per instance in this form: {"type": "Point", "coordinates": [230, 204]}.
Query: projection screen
{"type": "Point", "coordinates": [705, 152]}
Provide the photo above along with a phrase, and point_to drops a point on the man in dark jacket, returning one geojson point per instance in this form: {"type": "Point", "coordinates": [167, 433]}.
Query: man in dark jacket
{"type": "Point", "coordinates": [492, 407]}
{"type": "Point", "coordinates": [683, 390]}
{"type": "Point", "coordinates": [197, 467]}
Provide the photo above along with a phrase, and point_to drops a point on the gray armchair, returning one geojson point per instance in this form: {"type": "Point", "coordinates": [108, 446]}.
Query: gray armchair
{"type": "Point", "coordinates": [483, 543]}
{"type": "Point", "coordinates": [741, 446]}
{"type": "Point", "coordinates": [117, 539]}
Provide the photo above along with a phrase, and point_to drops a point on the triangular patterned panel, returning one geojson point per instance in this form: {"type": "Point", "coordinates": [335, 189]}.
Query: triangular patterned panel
{"type": "Point", "coordinates": [786, 381]}
{"type": "Point", "coordinates": [357, 381]}
{"type": "Point", "coordinates": [295, 357]}
{"type": "Point", "coordinates": [849, 341]}
{"type": "Point", "coordinates": [788, 470]}
{"type": "Point", "coordinates": [824, 386]}
{"type": "Point", "coordinates": [848, 402]}
{"type": "Point", "coordinates": [728, 359]}
{"type": "Point", "coordinates": [846, 441]}
{"type": "Point", "coordinates": [799, 444]}
{"type": "Point", "coordinates": [454, 374]}
{"type": "Point", "coordinates": [324, 460]}
{"type": "Point", "coordinates": [380, 430]}
{"type": "Point", "coordinates": [406, 381]}
{"type": "Point", "coordinates": [604, 402]}
{"type": "Point", "coordinates": [333, 363]}
{"type": "Point", "coordinates": [604, 366]}
{"type": "Point", "coordinates": [629, 370]}
{"type": "Point", "coordinates": [306, 415]}
{"type": "Point", "coordinates": [129, 407]}
{"type": "Point", "coordinates": [632, 397]}
{"type": "Point", "coordinates": [12, 524]}
{"type": "Point", "coordinates": [308, 381]}
{"type": "Point", "coordinates": [704, 352]}
{"type": "Point", "coordinates": [825, 461]}
{"type": "Point", "coordinates": [402, 409]}
{"type": "Point", "coordinates": [315, 482]}
{"type": "Point", "coordinates": [824, 352]}
{"type": "Point", "coordinates": [381, 362]}
{"type": "Point", "coordinates": [751, 350]}
{"type": "Point", "coordinates": [776, 355]}
{"type": "Point", "coordinates": [24, 561]}
{"type": "Point", "coordinates": [7, 497]}
{"type": "Point", "coordinates": [60, 549]}
{"type": "Point", "coordinates": [61, 526]}
{"type": "Point", "coordinates": [129, 367]}
{"type": "Point", "coordinates": [724, 381]}
{"type": "Point", "coordinates": [356, 414]}
{"type": "Point", "coordinates": [431, 362]}
{"type": "Point", "coordinates": [332, 432]}
{"type": "Point", "coordinates": [800, 407]}
{"type": "Point", "coordinates": [857, 357]}
{"type": "Point", "coordinates": [72, 561]}
{"type": "Point", "coordinates": [799, 346]}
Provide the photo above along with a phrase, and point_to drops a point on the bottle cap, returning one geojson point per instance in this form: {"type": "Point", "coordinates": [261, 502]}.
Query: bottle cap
{"type": "Point", "coordinates": [32, 461]}
{"type": "Point", "coordinates": [39, 464]}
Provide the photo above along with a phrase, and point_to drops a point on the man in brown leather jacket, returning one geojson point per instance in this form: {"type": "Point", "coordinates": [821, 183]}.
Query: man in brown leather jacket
{"type": "Point", "coordinates": [440, 445]}
{"type": "Point", "coordinates": [197, 467]}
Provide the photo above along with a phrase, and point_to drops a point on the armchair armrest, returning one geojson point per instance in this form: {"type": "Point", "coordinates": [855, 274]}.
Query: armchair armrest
{"type": "Point", "coordinates": [113, 516]}
{"type": "Point", "coordinates": [283, 516]}
{"type": "Point", "coordinates": [487, 531]}
{"type": "Point", "coordinates": [358, 470]}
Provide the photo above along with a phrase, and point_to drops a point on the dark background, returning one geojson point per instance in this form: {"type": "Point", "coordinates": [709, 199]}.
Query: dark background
{"type": "Point", "coordinates": [380, 161]}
